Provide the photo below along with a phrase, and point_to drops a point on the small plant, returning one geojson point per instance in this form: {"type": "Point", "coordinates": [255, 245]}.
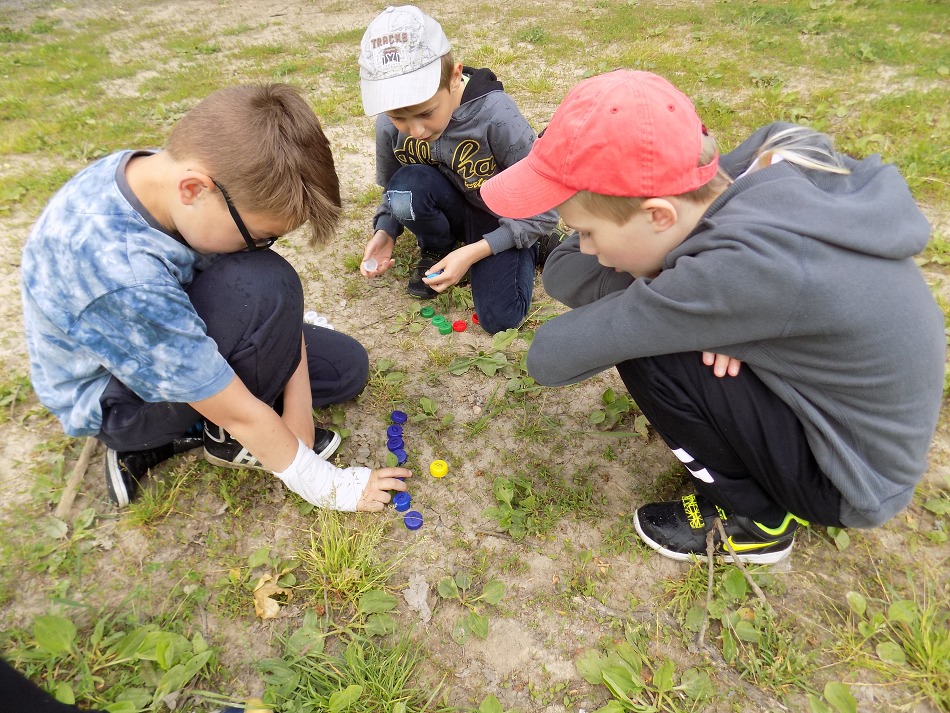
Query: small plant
{"type": "Point", "coordinates": [638, 683]}
{"type": "Point", "coordinates": [343, 561]}
{"type": "Point", "coordinates": [122, 668]}
{"type": "Point", "coordinates": [386, 383]}
{"type": "Point", "coordinates": [490, 362]}
{"type": "Point", "coordinates": [517, 511]}
{"type": "Point", "coordinates": [474, 622]}
{"type": "Point", "coordinates": [615, 408]}
{"type": "Point", "coordinates": [907, 639]}
{"type": "Point", "coordinates": [362, 677]}
{"type": "Point", "coordinates": [428, 411]}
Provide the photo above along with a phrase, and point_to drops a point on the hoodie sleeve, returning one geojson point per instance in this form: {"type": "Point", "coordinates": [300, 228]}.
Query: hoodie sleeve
{"type": "Point", "coordinates": [719, 296]}
{"type": "Point", "coordinates": [575, 279]}
{"type": "Point", "coordinates": [386, 166]}
{"type": "Point", "coordinates": [510, 138]}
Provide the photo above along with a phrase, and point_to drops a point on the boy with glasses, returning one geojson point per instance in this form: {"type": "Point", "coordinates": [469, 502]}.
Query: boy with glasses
{"type": "Point", "coordinates": [157, 320]}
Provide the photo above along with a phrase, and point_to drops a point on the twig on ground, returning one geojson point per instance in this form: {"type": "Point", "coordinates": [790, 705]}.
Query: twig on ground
{"type": "Point", "coordinates": [710, 550]}
{"type": "Point", "coordinates": [735, 558]}
{"type": "Point", "coordinates": [72, 485]}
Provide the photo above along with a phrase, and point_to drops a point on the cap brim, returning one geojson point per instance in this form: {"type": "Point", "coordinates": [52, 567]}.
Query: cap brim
{"type": "Point", "coordinates": [521, 192]}
{"type": "Point", "coordinates": [402, 91]}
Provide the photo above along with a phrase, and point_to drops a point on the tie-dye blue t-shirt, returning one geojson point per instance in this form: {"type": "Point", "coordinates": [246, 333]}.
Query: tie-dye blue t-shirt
{"type": "Point", "coordinates": [103, 294]}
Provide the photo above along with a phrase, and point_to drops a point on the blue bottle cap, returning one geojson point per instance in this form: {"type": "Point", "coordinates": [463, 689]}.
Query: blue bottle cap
{"type": "Point", "coordinates": [398, 417]}
{"type": "Point", "coordinates": [395, 443]}
{"type": "Point", "coordinates": [394, 431]}
{"type": "Point", "coordinates": [401, 455]}
{"type": "Point", "coordinates": [401, 501]}
{"type": "Point", "coordinates": [413, 520]}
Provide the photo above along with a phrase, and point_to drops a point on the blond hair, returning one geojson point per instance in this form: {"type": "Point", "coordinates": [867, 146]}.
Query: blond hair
{"type": "Point", "coordinates": [620, 209]}
{"type": "Point", "coordinates": [266, 146]}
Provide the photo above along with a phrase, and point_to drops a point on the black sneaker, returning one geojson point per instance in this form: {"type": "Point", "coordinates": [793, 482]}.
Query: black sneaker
{"type": "Point", "coordinates": [678, 530]}
{"type": "Point", "coordinates": [416, 287]}
{"type": "Point", "coordinates": [547, 243]}
{"type": "Point", "coordinates": [126, 469]}
{"type": "Point", "coordinates": [221, 449]}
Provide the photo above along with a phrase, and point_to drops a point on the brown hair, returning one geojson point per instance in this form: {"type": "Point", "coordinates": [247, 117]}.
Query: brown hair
{"type": "Point", "coordinates": [266, 146]}
{"type": "Point", "coordinates": [448, 66]}
{"type": "Point", "coordinates": [620, 209]}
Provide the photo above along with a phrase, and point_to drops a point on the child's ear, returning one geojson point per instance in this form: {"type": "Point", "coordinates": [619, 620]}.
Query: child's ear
{"type": "Point", "coordinates": [190, 186]}
{"type": "Point", "coordinates": [662, 213]}
{"type": "Point", "coordinates": [456, 76]}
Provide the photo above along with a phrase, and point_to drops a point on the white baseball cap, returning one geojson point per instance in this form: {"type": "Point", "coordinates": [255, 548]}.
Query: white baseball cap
{"type": "Point", "coordinates": [400, 59]}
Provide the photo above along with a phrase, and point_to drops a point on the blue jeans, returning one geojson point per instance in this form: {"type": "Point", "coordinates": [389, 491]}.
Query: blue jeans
{"type": "Point", "coordinates": [428, 204]}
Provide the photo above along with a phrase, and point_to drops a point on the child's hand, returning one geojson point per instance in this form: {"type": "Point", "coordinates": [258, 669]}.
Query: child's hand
{"type": "Point", "coordinates": [454, 266]}
{"type": "Point", "coordinates": [376, 495]}
{"type": "Point", "coordinates": [380, 249]}
{"type": "Point", "coordinates": [722, 364]}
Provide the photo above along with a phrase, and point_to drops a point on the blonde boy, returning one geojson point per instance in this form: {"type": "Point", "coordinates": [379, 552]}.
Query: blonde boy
{"type": "Point", "coordinates": [783, 256]}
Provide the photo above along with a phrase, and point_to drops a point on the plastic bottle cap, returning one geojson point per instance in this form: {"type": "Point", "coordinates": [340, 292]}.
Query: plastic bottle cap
{"type": "Point", "coordinates": [394, 431]}
{"type": "Point", "coordinates": [445, 328]}
{"type": "Point", "coordinates": [460, 326]}
{"type": "Point", "coordinates": [401, 456]}
{"type": "Point", "coordinates": [401, 501]}
{"type": "Point", "coordinates": [474, 318]}
{"type": "Point", "coordinates": [369, 264]}
{"type": "Point", "coordinates": [398, 417]}
{"type": "Point", "coordinates": [413, 520]}
{"type": "Point", "coordinates": [438, 468]}
{"type": "Point", "coordinates": [427, 312]}
{"type": "Point", "coordinates": [395, 443]}
{"type": "Point", "coordinates": [438, 319]}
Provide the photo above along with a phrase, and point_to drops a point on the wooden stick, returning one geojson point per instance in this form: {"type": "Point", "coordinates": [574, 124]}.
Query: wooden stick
{"type": "Point", "coordinates": [735, 558]}
{"type": "Point", "coordinates": [72, 487]}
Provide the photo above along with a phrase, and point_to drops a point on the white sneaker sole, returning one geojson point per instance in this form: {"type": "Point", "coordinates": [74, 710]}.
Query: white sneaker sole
{"type": "Point", "coordinates": [118, 493]}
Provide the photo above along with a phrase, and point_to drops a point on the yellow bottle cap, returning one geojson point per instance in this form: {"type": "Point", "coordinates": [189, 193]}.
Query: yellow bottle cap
{"type": "Point", "coordinates": [438, 468]}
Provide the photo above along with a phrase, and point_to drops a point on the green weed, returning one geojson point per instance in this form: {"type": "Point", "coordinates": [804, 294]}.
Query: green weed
{"type": "Point", "coordinates": [343, 561]}
{"type": "Point", "coordinates": [362, 677]}
{"type": "Point", "coordinates": [460, 588]}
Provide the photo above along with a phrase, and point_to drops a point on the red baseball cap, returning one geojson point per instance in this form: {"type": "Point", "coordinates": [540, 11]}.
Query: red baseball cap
{"type": "Point", "coordinates": [623, 133]}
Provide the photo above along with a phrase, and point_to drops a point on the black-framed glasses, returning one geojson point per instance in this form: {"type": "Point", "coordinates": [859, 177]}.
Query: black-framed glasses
{"type": "Point", "coordinates": [253, 244]}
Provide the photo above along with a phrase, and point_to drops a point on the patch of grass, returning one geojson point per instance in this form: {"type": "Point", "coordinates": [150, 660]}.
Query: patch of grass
{"type": "Point", "coordinates": [159, 496]}
{"type": "Point", "coordinates": [363, 676]}
{"type": "Point", "coordinates": [343, 561]}
{"type": "Point", "coordinates": [98, 659]}
{"type": "Point", "coordinates": [903, 635]}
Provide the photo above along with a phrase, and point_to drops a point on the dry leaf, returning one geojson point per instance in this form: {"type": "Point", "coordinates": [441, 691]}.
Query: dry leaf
{"type": "Point", "coordinates": [265, 590]}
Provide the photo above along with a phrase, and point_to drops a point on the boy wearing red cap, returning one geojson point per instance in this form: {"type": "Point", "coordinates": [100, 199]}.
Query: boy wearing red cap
{"type": "Point", "coordinates": [442, 131]}
{"type": "Point", "coordinates": [783, 256]}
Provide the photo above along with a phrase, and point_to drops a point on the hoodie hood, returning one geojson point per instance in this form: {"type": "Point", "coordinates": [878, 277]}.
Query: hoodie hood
{"type": "Point", "coordinates": [869, 211]}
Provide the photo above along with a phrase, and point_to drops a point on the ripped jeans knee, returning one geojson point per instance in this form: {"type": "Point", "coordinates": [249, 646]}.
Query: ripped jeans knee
{"type": "Point", "coordinates": [400, 203]}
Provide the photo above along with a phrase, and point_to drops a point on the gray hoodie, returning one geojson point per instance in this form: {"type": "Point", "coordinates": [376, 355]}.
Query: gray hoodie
{"type": "Point", "coordinates": [808, 278]}
{"type": "Point", "coordinates": [485, 135]}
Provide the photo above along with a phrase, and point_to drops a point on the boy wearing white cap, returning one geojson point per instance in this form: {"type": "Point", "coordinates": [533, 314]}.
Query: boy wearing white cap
{"type": "Point", "coordinates": [784, 256]}
{"type": "Point", "coordinates": [443, 130]}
